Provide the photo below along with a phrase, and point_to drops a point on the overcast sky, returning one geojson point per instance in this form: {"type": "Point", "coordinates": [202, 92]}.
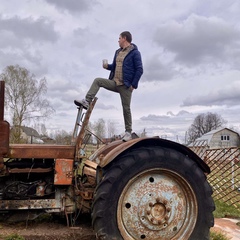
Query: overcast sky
{"type": "Point", "coordinates": [190, 51]}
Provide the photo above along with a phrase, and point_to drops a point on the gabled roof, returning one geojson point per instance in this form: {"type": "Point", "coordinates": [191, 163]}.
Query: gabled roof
{"type": "Point", "coordinates": [208, 136]}
{"type": "Point", "coordinates": [211, 133]}
{"type": "Point", "coordinates": [30, 131]}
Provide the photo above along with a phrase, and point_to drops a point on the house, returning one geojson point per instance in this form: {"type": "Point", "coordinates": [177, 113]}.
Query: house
{"type": "Point", "coordinates": [29, 135]}
{"type": "Point", "coordinates": [219, 138]}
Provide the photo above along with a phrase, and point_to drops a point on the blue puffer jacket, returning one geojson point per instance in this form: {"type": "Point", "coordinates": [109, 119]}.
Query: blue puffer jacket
{"type": "Point", "coordinates": [132, 67]}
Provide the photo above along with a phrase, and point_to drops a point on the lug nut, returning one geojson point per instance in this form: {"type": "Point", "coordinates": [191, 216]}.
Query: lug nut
{"type": "Point", "coordinates": [158, 200]}
{"type": "Point", "coordinates": [148, 212]}
{"type": "Point", "coordinates": [159, 222]}
{"type": "Point", "coordinates": [150, 204]}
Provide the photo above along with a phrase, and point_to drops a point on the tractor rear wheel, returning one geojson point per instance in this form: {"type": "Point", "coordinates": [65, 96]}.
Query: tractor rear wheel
{"type": "Point", "coordinates": [153, 193]}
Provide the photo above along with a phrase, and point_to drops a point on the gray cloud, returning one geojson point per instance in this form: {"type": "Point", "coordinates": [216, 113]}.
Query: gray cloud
{"type": "Point", "coordinates": [171, 126]}
{"type": "Point", "coordinates": [170, 115]}
{"type": "Point", "coordinates": [39, 30]}
{"type": "Point", "coordinates": [103, 106]}
{"type": "Point", "coordinates": [229, 96]}
{"type": "Point", "coordinates": [190, 52]}
{"type": "Point", "coordinates": [198, 39]}
{"type": "Point", "coordinates": [153, 117]}
{"type": "Point", "coordinates": [23, 56]}
{"type": "Point", "coordinates": [81, 37]}
{"type": "Point", "coordinates": [23, 40]}
{"type": "Point", "coordinates": [157, 71]}
{"type": "Point", "coordinates": [73, 6]}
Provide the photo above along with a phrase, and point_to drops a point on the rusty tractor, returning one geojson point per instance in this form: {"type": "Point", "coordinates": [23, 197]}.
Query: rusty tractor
{"type": "Point", "coordinates": [146, 188]}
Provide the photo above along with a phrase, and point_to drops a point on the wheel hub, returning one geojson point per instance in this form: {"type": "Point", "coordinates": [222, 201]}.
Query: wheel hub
{"type": "Point", "coordinates": [156, 205]}
{"type": "Point", "coordinates": [157, 212]}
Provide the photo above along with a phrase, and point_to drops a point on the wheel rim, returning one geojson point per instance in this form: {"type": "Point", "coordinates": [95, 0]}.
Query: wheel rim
{"type": "Point", "coordinates": [157, 204]}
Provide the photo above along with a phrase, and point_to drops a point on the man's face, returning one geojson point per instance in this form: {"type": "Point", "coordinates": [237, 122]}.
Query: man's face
{"type": "Point", "coordinates": [121, 41]}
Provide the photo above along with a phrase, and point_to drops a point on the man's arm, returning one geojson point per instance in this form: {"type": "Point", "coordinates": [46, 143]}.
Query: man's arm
{"type": "Point", "coordinates": [138, 69]}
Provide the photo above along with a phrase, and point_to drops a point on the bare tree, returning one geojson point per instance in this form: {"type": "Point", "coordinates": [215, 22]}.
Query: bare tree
{"type": "Point", "coordinates": [24, 96]}
{"type": "Point", "coordinates": [204, 123]}
{"type": "Point", "coordinates": [111, 128]}
{"type": "Point", "coordinates": [62, 137]}
{"type": "Point", "coordinates": [41, 128]}
{"type": "Point", "coordinates": [99, 129]}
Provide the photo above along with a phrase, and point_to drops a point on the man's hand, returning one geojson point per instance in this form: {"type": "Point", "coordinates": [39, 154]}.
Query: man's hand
{"type": "Point", "coordinates": [132, 88]}
{"type": "Point", "coordinates": [105, 66]}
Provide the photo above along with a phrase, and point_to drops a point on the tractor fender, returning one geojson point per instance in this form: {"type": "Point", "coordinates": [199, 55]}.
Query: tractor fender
{"type": "Point", "coordinates": [108, 153]}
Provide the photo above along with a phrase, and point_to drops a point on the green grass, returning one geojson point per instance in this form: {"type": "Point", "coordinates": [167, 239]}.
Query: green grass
{"type": "Point", "coordinates": [218, 236]}
{"type": "Point", "coordinates": [14, 237]}
{"type": "Point", "coordinates": [213, 236]}
{"type": "Point", "coordinates": [225, 210]}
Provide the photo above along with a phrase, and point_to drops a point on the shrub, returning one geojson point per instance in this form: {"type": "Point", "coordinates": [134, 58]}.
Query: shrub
{"type": "Point", "coordinates": [14, 237]}
{"type": "Point", "coordinates": [218, 236]}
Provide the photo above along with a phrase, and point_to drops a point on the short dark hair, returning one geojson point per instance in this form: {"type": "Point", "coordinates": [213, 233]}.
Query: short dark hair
{"type": "Point", "coordinates": [127, 35]}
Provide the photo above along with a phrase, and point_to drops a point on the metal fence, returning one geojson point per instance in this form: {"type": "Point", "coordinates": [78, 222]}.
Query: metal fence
{"type": "Point", "coordinates": [225, 172]}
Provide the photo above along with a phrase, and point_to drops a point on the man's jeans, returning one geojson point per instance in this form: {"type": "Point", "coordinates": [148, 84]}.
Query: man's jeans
{"type": "Point", "coordinates": [125, 94]}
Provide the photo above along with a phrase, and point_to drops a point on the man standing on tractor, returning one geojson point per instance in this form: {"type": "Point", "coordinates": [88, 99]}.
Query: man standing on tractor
{"type": "Point", "coordinates": [126, 71]}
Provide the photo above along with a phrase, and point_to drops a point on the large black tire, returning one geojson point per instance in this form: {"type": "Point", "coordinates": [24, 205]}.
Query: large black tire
{"type": "Point", "coordinates": [153, 193]}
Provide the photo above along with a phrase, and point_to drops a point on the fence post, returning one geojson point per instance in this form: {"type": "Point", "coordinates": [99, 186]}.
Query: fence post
{"type": "Point", "coordinates": [232, 163]}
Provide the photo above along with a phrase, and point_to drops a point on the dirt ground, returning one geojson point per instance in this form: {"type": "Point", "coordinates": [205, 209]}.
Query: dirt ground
{"type": "Point", "coordinates": [50, 230]}
{"type": "Point", "coordinates": [83, 230]}
{"type": "Point", "coordinates": [229, 227]}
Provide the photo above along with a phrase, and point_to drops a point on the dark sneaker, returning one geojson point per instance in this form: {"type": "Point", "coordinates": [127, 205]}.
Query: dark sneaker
{"type": "Point", "coordinates": [127, 136]}
{"type": "Point", "coordinates": [82, 102]}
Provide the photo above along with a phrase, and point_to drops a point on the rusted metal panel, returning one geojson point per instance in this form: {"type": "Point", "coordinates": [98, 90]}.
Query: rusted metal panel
{"type": "Point", "coordinates": [139, 142]}
{"type": "Point", "coordinates": [89, 171]}
{"type": "Point", "coordinates": [4, 125]}
{"type": "Point", "coordinates": [30, 170]}
{"type": "Point", "coordinates": [105, 159]}
{"type": "Point", "coordinates": [2, 90]}
{"type": "Point", "coordinates": [4, 138]}
{"type": "Point", "coordinates": [30, 204]}
{"type": "Point", "coordinates": [104, 150]}
{"type": "Point", "coordinates": [84, 125]}
{"type": "Point", "coordinates": [41, 151]}
{"type": "Point", "coordinates": [63, 172]}
{"type": "Point", "coordinates": [91, 164]}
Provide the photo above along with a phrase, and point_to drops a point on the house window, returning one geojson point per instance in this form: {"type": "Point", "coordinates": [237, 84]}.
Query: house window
{"type": "Point", "coordinates": [225, 138]}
